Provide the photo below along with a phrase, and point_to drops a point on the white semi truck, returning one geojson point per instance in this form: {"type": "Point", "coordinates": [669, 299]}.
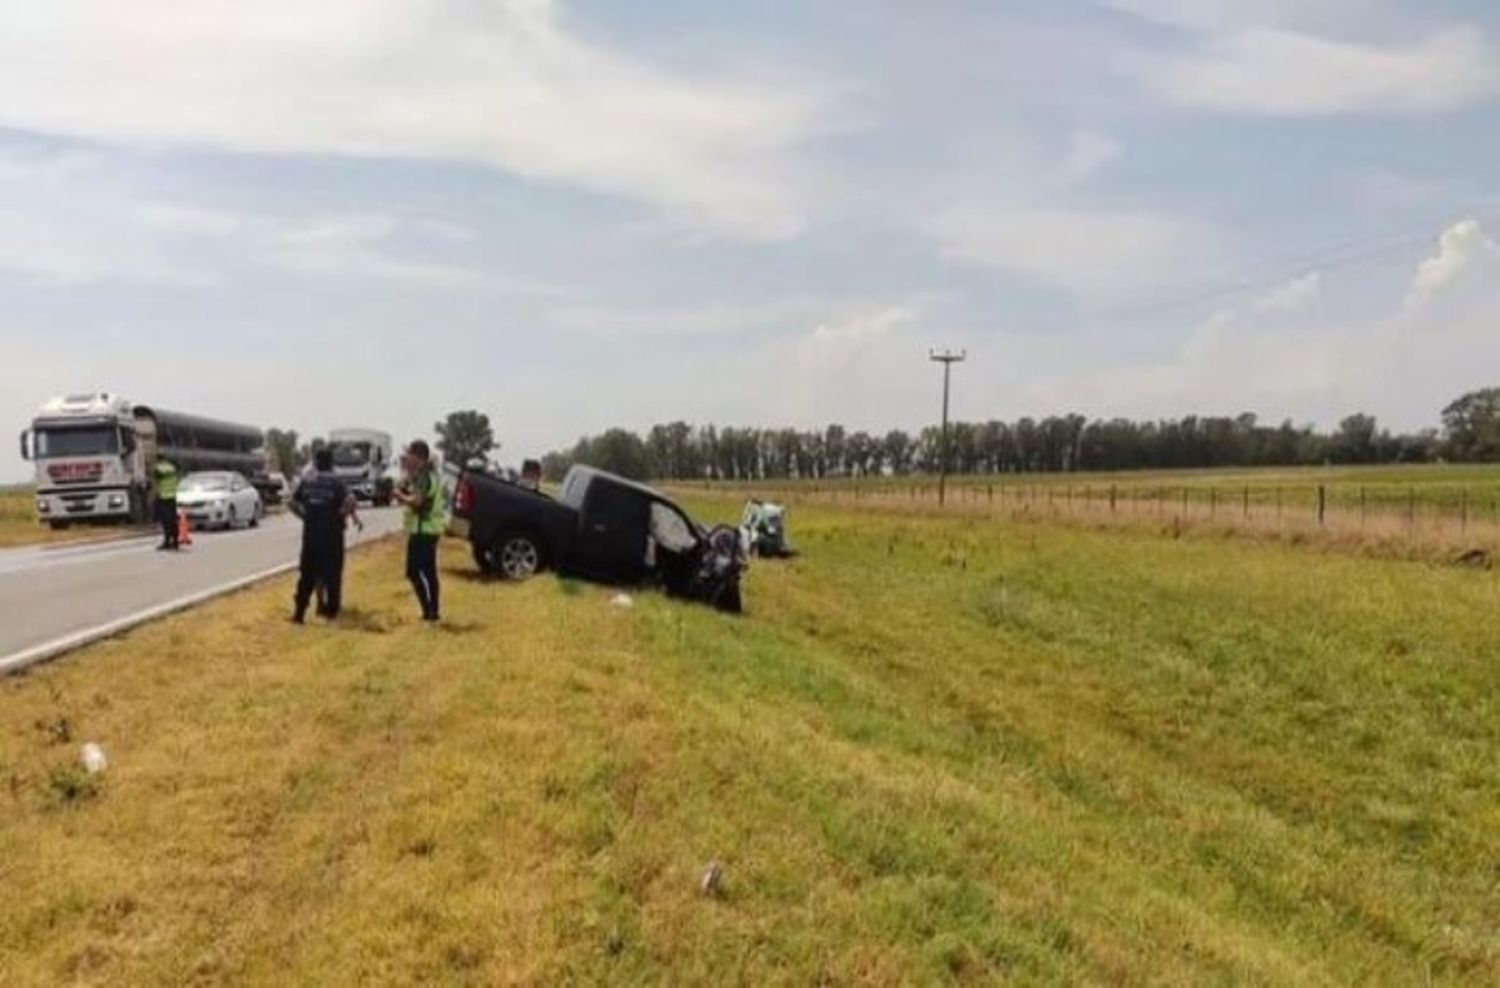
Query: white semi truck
{"type": "Point", "coordinates": [363, 459]}
{"type": "Point", "coordinates": [95, 452]}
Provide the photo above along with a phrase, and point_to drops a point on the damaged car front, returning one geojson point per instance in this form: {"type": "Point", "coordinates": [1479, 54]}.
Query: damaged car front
{"type": "Point", "coordinates": [695, 563]}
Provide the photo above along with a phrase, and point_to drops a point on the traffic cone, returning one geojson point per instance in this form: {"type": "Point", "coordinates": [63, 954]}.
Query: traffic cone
{"type": "Point", "coordinates": [184, 530]}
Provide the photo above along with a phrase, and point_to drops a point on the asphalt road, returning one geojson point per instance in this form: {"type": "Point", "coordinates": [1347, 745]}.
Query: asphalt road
{"type": "Point", "coordinates": [48, 594]}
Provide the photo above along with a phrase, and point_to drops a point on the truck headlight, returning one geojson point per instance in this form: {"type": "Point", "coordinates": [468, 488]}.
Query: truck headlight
{"type": "Point", "coordinates": [42, 507]}
{"type": "Point", "coordinates": [116, 501]}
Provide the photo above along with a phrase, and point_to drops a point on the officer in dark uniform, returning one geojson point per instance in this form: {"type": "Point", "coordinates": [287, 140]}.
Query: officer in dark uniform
{"type": "Point", "coordinates": [323, 503]}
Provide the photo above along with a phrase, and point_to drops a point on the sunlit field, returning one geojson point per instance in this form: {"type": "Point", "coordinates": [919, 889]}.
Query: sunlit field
{"type": "Point", "coordinates": [934, 749]}
{"type": "Point", "coordinates": [1426, 509]}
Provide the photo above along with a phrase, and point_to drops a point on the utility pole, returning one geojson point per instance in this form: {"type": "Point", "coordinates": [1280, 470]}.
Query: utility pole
{"type": "Point", "coordinates": [947, 358]}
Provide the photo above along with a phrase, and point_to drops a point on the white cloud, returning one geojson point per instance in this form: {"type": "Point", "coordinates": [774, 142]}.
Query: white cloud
{"type": "Point", "coordinates": [1297, 295]}
{"type": "Point", "coordinates": [357, 246]}
{"type": "Point", "coordinates": [1461, 246]}
{"type": "Point", "coordinates": [1230, 14]}
{"type": "Point", "coordinates": [65, 220]}
{"type": "Point", "coordinates": [501, 83]}
{"type": "Point", "coordinates": [1274, 71]}
{"type": "Point", "coordinates": [1099, 255]}
{"type": "Point", "coordinates": [1088, 154]}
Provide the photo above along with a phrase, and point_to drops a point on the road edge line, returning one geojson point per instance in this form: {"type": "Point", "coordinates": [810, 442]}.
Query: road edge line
{"type": "Point", "coordinates": [58, 647]}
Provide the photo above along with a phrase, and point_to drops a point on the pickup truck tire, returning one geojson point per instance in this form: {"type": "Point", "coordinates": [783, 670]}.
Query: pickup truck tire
{"type": "Point", "coordinates": [515, 555]}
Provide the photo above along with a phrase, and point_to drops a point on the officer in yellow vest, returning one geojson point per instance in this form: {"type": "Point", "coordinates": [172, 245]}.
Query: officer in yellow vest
{"type": "Point", "coordinates": [164, 493]}
{"type": "Point", "coordinates": [421, 492]}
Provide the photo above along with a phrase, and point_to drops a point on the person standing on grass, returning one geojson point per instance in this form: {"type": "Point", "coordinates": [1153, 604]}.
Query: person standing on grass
{"type": "Point", "coordinates": [421, 493]}
{"type": "Point", "coordinates": [164, 496]}
{"type": "Point", "coordinates": [324, 504]}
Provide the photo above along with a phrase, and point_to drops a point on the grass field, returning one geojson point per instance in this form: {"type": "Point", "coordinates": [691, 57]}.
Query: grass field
{"type": "Point", "coordinates": [1433, 487]}
{"type": "Point", "coordinates": [1425, 509]}
{"type": "Point", "coordinates": [933, 750]}
{"type": "Point", "coordinates": [18, 524]}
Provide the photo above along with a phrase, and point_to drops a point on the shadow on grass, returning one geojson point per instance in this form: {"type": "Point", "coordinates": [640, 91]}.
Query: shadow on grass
{"type": "Point", "coordinates": [363, 621]}
{"type": "Point", "coordinates": [459, 627]}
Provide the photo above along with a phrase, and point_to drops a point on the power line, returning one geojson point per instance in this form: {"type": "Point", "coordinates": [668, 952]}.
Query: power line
{"type": "Point", "coordinates": [1351, 252]}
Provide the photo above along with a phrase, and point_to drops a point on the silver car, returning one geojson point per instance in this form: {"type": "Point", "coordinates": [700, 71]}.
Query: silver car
{"type": "Point", "coordinates": [219, 500]}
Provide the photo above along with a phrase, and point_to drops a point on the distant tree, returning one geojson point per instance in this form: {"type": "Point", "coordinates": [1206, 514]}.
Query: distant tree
{"type": "Point", "coordinates": [465, 436]}
{"type": "Point", "coordinates": [1471, 426]}
{"type": "Point", "coordinates": [619, 451]}
{"type": "Point", "coordinates": [284, 454]}
{"type": "Point", "coordinates": [1355, 441]}
{"type": "Point", "coordinates": [555, 465]}
{"type": "Point", "coordinates": [896, 449]}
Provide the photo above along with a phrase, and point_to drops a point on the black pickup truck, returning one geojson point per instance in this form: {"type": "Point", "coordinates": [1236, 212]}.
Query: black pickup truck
{"type": "Point", "coordinates": [601, 527]}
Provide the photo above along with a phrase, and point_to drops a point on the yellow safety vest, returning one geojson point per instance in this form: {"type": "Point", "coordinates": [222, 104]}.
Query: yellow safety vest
{"type": "Point", "coordinates": [430, 521]}
{"type": "Point", "coordinates": [165, 483]}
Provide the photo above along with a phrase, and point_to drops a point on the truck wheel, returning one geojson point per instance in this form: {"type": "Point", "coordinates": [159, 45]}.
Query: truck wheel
{"type": "Point", "coordinates": [516, 556]}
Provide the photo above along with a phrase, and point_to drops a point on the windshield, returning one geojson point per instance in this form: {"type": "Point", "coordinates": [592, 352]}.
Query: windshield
{"type": "Point", "coordinates": [76, 442]}
{"type": "Point", "coordinates": [351, 454]}
{"type": "Point", "coordinates": [206, 482]}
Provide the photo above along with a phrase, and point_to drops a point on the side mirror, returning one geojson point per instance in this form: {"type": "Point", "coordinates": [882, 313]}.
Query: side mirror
{"type": "Point", "coordinates": [26, 444]}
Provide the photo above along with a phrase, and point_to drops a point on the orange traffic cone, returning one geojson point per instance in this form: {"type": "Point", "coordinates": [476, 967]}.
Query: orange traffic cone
{"type": "Point", "coordinates": [184, 530]}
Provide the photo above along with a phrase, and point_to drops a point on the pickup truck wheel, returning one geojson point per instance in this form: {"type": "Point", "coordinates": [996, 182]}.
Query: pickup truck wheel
{"type": "Point", "coordinates": [516, 556]}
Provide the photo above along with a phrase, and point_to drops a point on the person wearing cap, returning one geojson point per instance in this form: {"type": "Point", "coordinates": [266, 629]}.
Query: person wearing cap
{"type": "Point", "coordinates": [164, 495]}
{"type": "Point", "coordinates": [421, 494]}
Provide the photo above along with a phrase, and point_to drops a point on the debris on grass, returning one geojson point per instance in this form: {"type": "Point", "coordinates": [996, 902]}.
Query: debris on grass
{"type": "Point", "coordinates": [93, 758]}
{"type": "Point", "coordinates": [711, 885]}
{"type": "Point", "coordinates": [1475, 558]}
{"type": "Point", "coordinates": [622, 600]}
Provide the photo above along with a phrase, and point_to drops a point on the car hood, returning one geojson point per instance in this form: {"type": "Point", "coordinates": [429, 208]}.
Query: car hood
{"type": "Point", "coordinates": [201, 496]}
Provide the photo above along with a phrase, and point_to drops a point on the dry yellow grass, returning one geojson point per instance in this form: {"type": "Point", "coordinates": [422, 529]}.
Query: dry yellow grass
{"type": "Point", "coordinates": [932, 751]}
{"type": "Point", "coordinates": [18, 524]}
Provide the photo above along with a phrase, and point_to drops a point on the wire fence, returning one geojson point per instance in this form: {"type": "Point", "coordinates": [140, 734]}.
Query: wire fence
{"type": "Point", "coordinates": [1446, 515]}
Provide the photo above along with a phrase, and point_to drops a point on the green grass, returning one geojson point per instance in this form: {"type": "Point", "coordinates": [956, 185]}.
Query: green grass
{"type": "Point", "coordinates": [1430, 486]}
{"type": "Point", "coordinates": [934, 751]}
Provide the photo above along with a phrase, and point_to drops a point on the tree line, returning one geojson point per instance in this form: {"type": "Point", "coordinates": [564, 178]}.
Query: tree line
{"type": "Point", "coordinates": [1064, 443]}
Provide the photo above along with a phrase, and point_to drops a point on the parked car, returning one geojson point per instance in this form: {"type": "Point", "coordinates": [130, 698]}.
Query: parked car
{"type": "Point", "coordinates": [219, 500]}
{"type": "Point", "coordinates": [600, 527]}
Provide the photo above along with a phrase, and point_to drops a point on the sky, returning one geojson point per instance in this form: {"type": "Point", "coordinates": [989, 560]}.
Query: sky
{"type": "Point", "coordinates": [575, 214]}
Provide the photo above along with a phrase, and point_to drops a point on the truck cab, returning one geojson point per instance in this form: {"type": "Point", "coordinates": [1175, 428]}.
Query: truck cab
{"type": "Point", "coordinates": [362, 459]}
{"type": "Point", "coordinates": [88, 461]}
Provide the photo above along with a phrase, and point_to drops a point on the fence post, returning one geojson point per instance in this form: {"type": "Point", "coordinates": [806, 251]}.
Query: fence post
{"type": "Point", "coordinates": [1411, 507]}
{"type": "Point", "coordinates": [1247, 502]}
{"type": "Point", "coordinates": [1463, 523]}
{"type": "Point", "coordinates": [1278, 505]}
{"type": "Point", "coordinates": [1362, 507]}
{"type": "Point", "coordinates": [1322, 503]}
{"type": "Point", "coordinates": [1113, 493]}
{"type": "Point", "coordinates": [1213, 502]}
{"type": "Point", "coordinates": [992, 494]}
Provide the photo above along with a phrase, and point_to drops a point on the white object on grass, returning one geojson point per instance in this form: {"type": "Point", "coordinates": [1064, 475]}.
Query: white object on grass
{"type": "Point", "coordinates": [93, 758]}
{"type": "Point", "coordinates": [622, 600]}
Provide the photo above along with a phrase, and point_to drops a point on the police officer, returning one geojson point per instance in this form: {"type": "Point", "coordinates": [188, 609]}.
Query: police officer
{"type": "Point", "coordinates": [323, 503]}
{"type": "Point", "coordinates": [164, 494]}
{"type": "Point", "coordinates": [421, 492]}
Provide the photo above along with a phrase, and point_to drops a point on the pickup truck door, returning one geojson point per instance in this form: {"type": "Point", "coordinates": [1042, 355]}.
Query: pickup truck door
{"type": "Point", "coordinates": [611, 540]}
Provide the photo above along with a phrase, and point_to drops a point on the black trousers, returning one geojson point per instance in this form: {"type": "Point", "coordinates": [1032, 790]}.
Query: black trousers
{"type": "Point", "coordinates": [421, 570]}
{"type": "Point", "coordinates": [321, 572]}
{"type": "Point", "coordinates": [166, 515]}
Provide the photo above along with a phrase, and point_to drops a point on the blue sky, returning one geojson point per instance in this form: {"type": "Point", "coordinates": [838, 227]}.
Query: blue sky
{"type": "Point", "coordinates": [580, 214]}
